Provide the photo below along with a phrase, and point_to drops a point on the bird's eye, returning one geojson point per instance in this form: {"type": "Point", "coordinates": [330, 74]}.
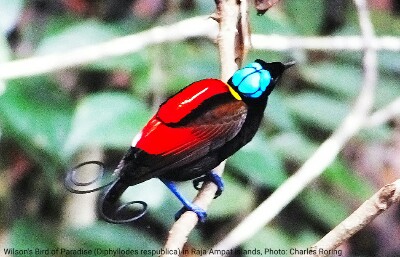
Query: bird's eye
{"type": "Point", "coordinates": [252, 80]}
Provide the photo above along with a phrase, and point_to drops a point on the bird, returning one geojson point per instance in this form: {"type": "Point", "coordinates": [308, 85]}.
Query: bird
{"type": "Point", "coordinates": [192, 133]}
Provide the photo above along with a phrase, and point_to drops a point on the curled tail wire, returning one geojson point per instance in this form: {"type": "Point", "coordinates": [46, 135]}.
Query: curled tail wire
{"type": "Point", "coordinates": [74, 185]}
{"type": "Point", "coordinates": [111, 211]}
{"type": "Point", "coordinates": [108, 205]}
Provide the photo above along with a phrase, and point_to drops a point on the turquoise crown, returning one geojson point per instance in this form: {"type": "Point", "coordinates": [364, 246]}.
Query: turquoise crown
{"type": "Point", "coordinates": [252, 80]}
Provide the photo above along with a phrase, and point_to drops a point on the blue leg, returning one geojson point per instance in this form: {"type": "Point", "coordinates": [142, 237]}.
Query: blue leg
{"type": "Point", "coordinates": [213, 177]}
{"type": "Point", "coordinates": [187, 206]}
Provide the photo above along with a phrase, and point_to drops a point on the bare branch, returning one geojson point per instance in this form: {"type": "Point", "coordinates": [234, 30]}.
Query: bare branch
{"type": "Point", "coordinates": [331, 43]}
{"type": "Point", "coordinates": [385, 114]}
{"type": "Point", "coordinates": [324, 155]}
{"type": "Point", "coordinates": [228, 13]}
{"type": "Point", "coordinates": [194, 27]}
{"type": "Point", "coordinates": [367, 212]}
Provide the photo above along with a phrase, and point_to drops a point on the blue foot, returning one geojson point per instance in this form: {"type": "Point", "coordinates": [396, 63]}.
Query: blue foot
{"type": "Point", "coordinates": [213, 177]}
{"type": "Point", "coordinates": [201, 214]}
{"type": "Point", "coordinates": [187, 206]}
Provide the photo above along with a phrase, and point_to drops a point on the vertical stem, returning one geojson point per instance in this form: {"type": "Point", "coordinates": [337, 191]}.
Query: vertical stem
{"type": "Point", "coordinates": [228, 17]}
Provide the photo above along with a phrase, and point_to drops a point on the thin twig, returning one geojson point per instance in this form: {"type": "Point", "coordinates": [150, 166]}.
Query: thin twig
{"type": "Point", "coordinates": [385, 114]}
{"type": "Point", "coordinates": [228, 16]}
{"type": "Point", "coordinates": [324, 155]}
{"type": "Point", "coordinates": [367, 212]}
{"type": "Point", "coordinates": [331, 43]}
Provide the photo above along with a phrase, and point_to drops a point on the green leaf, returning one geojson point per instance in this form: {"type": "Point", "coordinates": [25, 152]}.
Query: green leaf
{"type": "Point", "coordinates": [385, 23]}
{"type": "Point", "coordinates": [259, 162]}
{"type": "Point", "coordinates": [152, 192]}
{"type": "Point", "coordinates": [319, 110]}
{"type": "Point", "coordinates": [103, 235]}
{"type": "Point", "coordinates": [175, 70]}
{"type": "Point", "coordinates": [28, 234]}
{"type": "Point", "coordinates": [305, 238]}
{"type": "Point", "coordinates": [377, 134]}
{"type": "Point", "coordinates": [125, 62]}
{"type": "Point", "coordinates": [83, 34]}
{"type": "Point", "coordinates": [324, 208]}
{"type": "Point", "coordinates": [267, 240]}
{"type": "Point", "coordinates": [37, 114]}
{"type": "Point", "coordinates": [389, 61]}
{"type": "Point", "coordinates": [306, 15]}
{"type": "Point", "coordinates": [182, 70]}
{"type": "Point", "coordinates": [339, 176]}
{"type": "Point", "coordinates": [293, 146]}
{"type": "Point", "coordinates": [387, 90]}
{"type": "Point", "coordinates": [165, 213]}
{"type": "Point", "coordinates": [278, 113]}
{"type": "Point", "coordinates": [11, 11]}
{"type": "Point", "coordinates": [57, 24]}
{"type": "Point", "coordinates": [205, 7]}
{"type": "Point", "coordinates": [106, 119]}
{"type": "Point", "coordinates": [273, 22]}
{"type": "Point", "coordinates": [343, 80]}
{"type": "Point", "coordinates": [227, 203]}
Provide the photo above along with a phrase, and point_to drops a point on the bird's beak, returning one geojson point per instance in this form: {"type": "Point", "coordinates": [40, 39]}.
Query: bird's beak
{"type": "Point", "coordinates": [289, 64]}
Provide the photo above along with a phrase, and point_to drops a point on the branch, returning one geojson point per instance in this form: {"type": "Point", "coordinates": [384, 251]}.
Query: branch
{"type": "Point", "coordinates": [324, 155]}
{"type": "Point", "coordinates": [385, 114]}
{"type": "Point", "coordinates": [201, 26]}
{"type": "Point", "coordinates": [228, 16]}
{"type": "Point", "coordinates": [367, 212]}
{"type": "Point", "coordinates": [331, 43]}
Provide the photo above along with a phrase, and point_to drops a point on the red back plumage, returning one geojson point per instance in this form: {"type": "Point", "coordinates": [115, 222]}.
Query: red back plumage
{"type": "Point", "coordinates": [163, 135]}
{"type": "Point", "coordinates": [181, 104]}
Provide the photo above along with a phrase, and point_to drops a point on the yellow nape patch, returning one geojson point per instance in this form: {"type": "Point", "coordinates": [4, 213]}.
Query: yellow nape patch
{"type": "Point", "coordinates": [234, 93]}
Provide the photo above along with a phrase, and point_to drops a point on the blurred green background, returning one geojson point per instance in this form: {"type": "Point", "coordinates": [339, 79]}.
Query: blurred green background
{"type": "Point", "coordinates": [49, 123]}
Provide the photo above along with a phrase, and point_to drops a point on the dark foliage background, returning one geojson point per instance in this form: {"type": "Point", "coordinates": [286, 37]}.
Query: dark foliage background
{"type": "Point", "coordinates": [50, 122]}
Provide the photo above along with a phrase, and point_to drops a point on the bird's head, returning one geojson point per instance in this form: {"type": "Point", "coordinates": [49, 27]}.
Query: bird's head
{"type": "Point", "coordinates": [257, 79]}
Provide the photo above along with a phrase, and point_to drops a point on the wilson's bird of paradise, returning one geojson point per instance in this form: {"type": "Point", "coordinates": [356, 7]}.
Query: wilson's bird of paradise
{"type": "Point", "coordinates": [191, 134]}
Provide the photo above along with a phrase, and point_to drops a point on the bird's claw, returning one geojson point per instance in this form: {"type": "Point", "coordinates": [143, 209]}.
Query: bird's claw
{"type": "Point", "coordinates": [201, 214]}
{"type": "Point", "coordinates": [213, 177]}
